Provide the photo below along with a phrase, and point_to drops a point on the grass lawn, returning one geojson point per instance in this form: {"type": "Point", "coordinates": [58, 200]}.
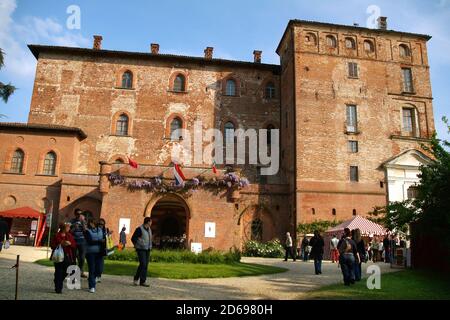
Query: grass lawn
{"type": "Point", "coordinates": [184, 270]}
{"type": "Point", "coordinates": [406, 284]}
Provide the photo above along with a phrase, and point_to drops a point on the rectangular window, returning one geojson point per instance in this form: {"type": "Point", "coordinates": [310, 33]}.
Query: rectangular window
{"type": "Point", "coordinates": [407, 80]}
{"type": "Point", "coordinates": [352, 70]}
{"type": "Point", "coordinates": [409, 122]}
{"type": "Point", "coordinates": [353, 146]}
{"type": "Point", "coordinates": [354, 173]}
{"type": "Point", "coordinates": [351, 118]}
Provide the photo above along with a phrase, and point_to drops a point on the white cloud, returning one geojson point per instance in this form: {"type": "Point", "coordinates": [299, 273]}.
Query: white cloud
{"type": "Point", "coordinates": [14, 36]}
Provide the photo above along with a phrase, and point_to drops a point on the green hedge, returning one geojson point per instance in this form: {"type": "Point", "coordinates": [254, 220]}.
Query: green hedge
{"type": "Point", "coordinates": [181, 256]}
{"type": "Point", "coordinates": [271, 249]}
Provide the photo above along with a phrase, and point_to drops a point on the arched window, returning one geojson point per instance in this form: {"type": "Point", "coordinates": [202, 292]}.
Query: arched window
{"type": "Point", "coordinates": [176, 124]}
{"type": "Point", "coordinates": [333, 212]}
{"type": "Point", "coordinates": [230, 89]}
{"type": "Point", "coordinates": [270, 127]}
{"type": "Point", "coordinates": [127, 80]}
{"type": "Point", "coordinates": [50, 164]}
{"type": "Point", "coordinates": [179, 84]}
{"type": "Point", "coordinates": [122, 125]}
{"type": "Point", "coordinates": [404, 51]}
{"type": "Point", "coordinates": [311, 38]}
{"type": "Point", "coordinates": [17, 161]}
{"type": "Point", "coordinates": [257, 230]}
{"type": "Point", "coordinates": [229, 131]}
{"type": "Point", "coordinates": [354, 212]}
{"type": "Point", "coordinates": [270, 91]}
{"type": "Point", "coordinates": [331, 41]}
{"type": "Point", "coordinates": [350, 43]}
{"type": "Point", "coordinates": [368, 46]}
{"type": "Point", "coordinates": [409, 121]}
{"type": "Point", "coordinates": [119, 161]}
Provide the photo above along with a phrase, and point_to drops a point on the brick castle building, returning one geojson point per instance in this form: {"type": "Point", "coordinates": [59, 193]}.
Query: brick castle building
{"type": "Point", "coordinates": [352, 105]}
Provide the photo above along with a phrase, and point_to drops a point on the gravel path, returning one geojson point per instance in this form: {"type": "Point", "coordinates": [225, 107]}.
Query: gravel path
{"type": "Point", "coordinates": [36, 282]}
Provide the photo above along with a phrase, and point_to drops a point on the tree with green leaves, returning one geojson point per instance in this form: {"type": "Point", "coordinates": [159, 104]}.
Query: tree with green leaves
{"type": "Point", "coordinates": [430, 210]}
{"type": "Point", "coordinates": [6, 90]}
{"type": "Point", "coordinates": [318, 225]}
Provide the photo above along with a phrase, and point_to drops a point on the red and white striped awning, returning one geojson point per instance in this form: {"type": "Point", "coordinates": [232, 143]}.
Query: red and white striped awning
{"type": "Point", "coordinates": [367, 227]}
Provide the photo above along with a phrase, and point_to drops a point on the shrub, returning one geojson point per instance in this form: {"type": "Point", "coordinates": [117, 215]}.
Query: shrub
{"type": "Point", "coordinates": [182, 256]}
{"type": "Point", "coordinates": [271, 249]}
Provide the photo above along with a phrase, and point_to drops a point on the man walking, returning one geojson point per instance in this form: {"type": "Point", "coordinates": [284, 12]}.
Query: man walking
{"type": "Point", "coordinates": [334, 249]}
{"type": "Point", "coordinates": [142, 241]}
{"type": "Point", "coordinates": [78, 229]}
{"type": "Point", "coordinates": [289, 250]}
{"type": "Point", "coordinates": [317, 245]}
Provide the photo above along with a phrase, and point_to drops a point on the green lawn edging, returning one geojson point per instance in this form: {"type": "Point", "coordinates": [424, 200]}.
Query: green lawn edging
{"type": "Point", "coordinates": [185, 270]}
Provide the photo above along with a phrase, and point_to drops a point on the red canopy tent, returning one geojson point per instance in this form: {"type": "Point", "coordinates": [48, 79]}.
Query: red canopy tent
{"type": "Point", "coordinates": [25, 213]}
{"type": "Point", "coordinates": [368, 229]}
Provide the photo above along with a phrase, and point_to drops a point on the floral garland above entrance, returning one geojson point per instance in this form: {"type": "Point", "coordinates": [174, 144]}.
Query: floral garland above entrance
{"type": "Point", "coordinates": [229, 180]}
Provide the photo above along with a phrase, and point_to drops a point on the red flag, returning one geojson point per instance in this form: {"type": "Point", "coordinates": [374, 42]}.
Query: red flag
{"type": "Point", "coordinates": [214, 169]}
{"type": "Point", "coordinates": [132, 163]}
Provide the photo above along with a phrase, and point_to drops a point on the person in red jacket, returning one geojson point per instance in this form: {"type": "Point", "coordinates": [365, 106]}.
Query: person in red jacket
{"type": "Point", "coordinates": [66, 240]}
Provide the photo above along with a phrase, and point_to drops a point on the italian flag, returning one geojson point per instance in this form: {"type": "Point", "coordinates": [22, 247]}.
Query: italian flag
{"type": "Point", "coordinates": [178, 174]}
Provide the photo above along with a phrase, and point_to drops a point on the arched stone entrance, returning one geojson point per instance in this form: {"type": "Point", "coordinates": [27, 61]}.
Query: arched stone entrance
{"type": "Point", "coordinates": [170, 221]}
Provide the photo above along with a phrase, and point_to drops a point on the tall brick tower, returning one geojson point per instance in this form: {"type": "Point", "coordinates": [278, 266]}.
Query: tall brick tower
{"type": "Point", "coordinates": [354, 100]}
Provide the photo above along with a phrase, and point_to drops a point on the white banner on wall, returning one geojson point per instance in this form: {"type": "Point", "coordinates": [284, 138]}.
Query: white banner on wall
{"type": "Point", "coordinates": [196, 247]}
{"type": "Point", "coordinates": [124, 222]}
{"type": "Point", "coordinates": [210, 229]}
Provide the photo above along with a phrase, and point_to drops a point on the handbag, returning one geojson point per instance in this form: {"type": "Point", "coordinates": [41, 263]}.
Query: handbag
{"type": "Point", "coordinates": [58, 254]}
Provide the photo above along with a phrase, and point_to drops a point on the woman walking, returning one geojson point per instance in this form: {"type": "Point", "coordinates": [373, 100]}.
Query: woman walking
{"type": "Point", "coordinates": [103, 250]}
{"type": "Point", "coordinates": [64, 239]}
{"type": "Point", "coordinates": [361, 248]}
{"type": "Point", "coordinates": [94, 255]}
{"type": "Point", "coordinates": [374, 247]}
{"type": "Point", "coordinates": [317, 245]}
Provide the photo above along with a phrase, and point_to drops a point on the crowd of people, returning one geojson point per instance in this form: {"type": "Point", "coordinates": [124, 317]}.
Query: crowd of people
{"type": "Point", "coordinates": [349, 252]}
{"type": "Point", "coordinates": [85, 240]}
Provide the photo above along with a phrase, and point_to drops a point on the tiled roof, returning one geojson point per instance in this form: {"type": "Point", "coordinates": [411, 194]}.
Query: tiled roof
{"type": "Point", "coordinates": [40, 127]}
{"type": "Point", "coordinates": [37, 49]}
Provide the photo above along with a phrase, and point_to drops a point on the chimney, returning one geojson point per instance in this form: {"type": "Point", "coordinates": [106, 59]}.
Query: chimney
{"type": "Point", "coordinates": [209, 53]}
{"type": "Point", "coordinates": [257, 56]}
{"type": "Point", "coordinates": [382, 23]}
{"type": "Point", "coordinates": [98, 42]}
{"type": "Point", "coordinates": [154, 48]}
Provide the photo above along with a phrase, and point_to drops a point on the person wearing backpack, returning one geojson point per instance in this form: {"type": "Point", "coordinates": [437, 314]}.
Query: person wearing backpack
{"type": "Point", "coordinates": [317, 245]}
{"type": "Point", "coordinates": [361, 248]}
{"type": "Point", "coordinates": [94, 255]}
{"type": "Point", "coordinates": [64, 239]}
{"type": "Point", "coordinates": [348, 256]}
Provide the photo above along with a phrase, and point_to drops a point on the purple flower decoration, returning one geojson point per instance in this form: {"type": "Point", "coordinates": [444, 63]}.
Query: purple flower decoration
{"type": "Point", "coordinates": [195, 181]}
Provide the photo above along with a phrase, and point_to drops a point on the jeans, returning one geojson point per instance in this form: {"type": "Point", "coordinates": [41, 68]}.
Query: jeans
{"type": "Point", "coordinates": [357, 271]}
{"type": "Point", "coordinates": [144, 259]}
{"type": "Point", "coordinates": [60, 275]}
{"type": "Point", "coordinates": [305, 256]}
{"type": "Point", "coordinates": [347, 262]}
{"type": "Point", "coordinates": [290, 252]}
{"type": "Point", "coordinates": [81, 255]}
{"type": "Point", "coordinates": [94, 263]}
{"type": "Point", "coordinates": [318, 264]}
{"type": "Point", "coordinates": [99, 270]}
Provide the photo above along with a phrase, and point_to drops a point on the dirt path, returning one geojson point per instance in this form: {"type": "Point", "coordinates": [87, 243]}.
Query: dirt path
{"type": "Point", "coordinates": [36, 282]}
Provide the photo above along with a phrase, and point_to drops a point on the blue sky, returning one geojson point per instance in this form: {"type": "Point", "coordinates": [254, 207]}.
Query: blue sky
{"type": "Point", "coordinates": [233, 27]}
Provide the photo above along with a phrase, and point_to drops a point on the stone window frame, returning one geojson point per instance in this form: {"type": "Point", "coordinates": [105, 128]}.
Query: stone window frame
{"type": "Point", "coordinates": [335, 39]}
{"type": "Point", "coordinates": [311, 38]}
{"type": "Point", "coordinates": [407, 47]}
{"type": "Point", "coordinates": [355, 176]}
{"type": "Point", "coordinates": [372, 45]}
{"type": "Point", "coordinates": [172, 78]}
{"type": "Point", "coordinates": [354, 41]}
{"type": "Point", "coordinates": [114, 124]}
{"type": "Point", "coordinates": [416, 120]}
{"type": "Point", "coordinates": [116, 157]}
{"type": "Point", "coordinates": [119, 76]}
{"type": "Point", "coordinates": [236, 127]}
{"type": "Point", "coordinates": [264, 88]}
{"type": "Point", "coordinates": [167, 131]}
{"type": "Point", "coordinates": [236, 81]}
{"type": "Point", "coordinates": [413, 85]}
{"type": "Point", "coordinates": [8, 160]}
{"type": "Point", "coordinates": [42, 159]}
